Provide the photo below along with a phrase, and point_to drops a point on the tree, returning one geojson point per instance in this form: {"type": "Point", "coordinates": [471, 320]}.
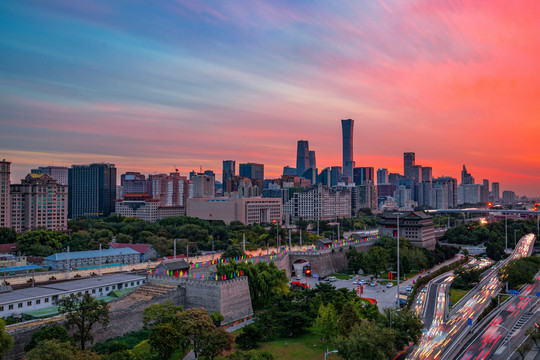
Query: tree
{"type": "Point", "coordinates": [216, 342]}
{"type": "Point", "coordinates": [57, 350]}
{"type": "Point", "coordinates": [377, 258]}
{"type": "Point", "coordinates": [196, 326]}
{"type": "Point", "coordinates": [217, 318]}
{"type": "Point", "coordinates": [523, 349]}
{"type": "Point", "coordinates": [6, 341]}
{"type": "Point", "coordinates": [232, 252]}
{"type": "Point", "coordinates": [7, 235]}
{"type": "Point", "coordinates": [160, 314]}
{"type": "Point", "coordinates": [406, 325]}
{"type": "Point", "coordinates": [534, 335]}
{"type": "Point", "coordinates": [327, 321]}
{"type": "Point", "coordinates": [48, 332]}
{"type": "Point", "coordinates": [42, 242]}
{"type": "Point", "coordinates": [367, 341]}
{"type": "Point", "coordinates": [83, 312]}
{"type": "Point", "coordinates": [249, 337]}
{"type": "Point", "coordinates": [348, 319]}
{"type": "Point", "coordinates": [165, 339]}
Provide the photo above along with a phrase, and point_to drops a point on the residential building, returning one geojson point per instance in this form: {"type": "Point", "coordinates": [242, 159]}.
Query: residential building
{"type": "Point", "coordinates": [91, 190]}
{"type": "Point", "coordinates": [382, 176]}
{"type": "Point", "coordinates": [347, 128]}
{"type": "Point", "coordinates": [508, 197]}
{"type": "Point", "coordinates": [451, 189]}
{"type": "Point", "coordinates": [415, 226]}
{"type": "Point", "coordinates": [319, 202]}
{"type": "Point", "coordinates": [39, 202]}
{"type": "Point", "coordinates": [138, 205]}
{"type": "Point", "coordinates": [254, 210]}
{"type": "Point", "coordinates": [408, 162]}
{"type": "Point", "coordinates": [366, 196]}
{"type": "Point", "coordinates": [58, 173]}
{"type": "Point", "coordinates": [203, 186]}
{"type": "Point", "coordinates": [5, 198]}
{"type": "Point", "coordinates": [81, 259]}
{"type": "Point", "coordinates": [495, 191]}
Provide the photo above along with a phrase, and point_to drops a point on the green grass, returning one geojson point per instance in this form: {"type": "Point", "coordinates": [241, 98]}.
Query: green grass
{"type": "Point", "coordinates": [342, 276]}
{"type": "Point", "coordinates": [305, 347]}
{"type": "Point", "coordinates": [456, 295]}
{"type": "Point", "coordinates": [143, 351]}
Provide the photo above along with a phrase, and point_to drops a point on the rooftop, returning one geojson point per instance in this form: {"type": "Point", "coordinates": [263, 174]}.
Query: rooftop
{"type": "Point", "coordinates": [90, 254]}
{"type": "Point", "coordinates": [175, 264]}
{"type": "Point", "coordinates": [6, 248]}
{"type": "Point", "coordinates": [140, 248]}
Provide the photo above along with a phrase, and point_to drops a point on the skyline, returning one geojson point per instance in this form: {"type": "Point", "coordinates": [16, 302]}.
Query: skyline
{"type": "Point", "coordinates": [183, 85]}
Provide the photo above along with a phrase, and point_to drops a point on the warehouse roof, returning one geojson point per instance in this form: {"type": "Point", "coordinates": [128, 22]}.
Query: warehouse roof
{"type": "Point", "coordinates": [90, 254]}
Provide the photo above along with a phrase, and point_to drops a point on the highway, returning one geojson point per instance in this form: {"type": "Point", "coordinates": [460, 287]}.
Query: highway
{"type": "Point", "coordinates": [444, 337]}
{"type": "Point", "coordinates": [513, 316]}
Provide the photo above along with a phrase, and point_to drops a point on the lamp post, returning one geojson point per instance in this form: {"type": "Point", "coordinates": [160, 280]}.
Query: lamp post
{"type": "Point", "coordinates": [506, 230]}
{"type": "Point", "coordinates": [328, 352]}
{"type": "Point", "coordinates": [510, 338]}
{"type": "Point", "coordinates": [397, 300]}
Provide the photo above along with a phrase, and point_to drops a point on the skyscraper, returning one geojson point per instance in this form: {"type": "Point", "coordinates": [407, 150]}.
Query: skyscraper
{"type": "Point", "coordinates": [253, 171]}
{"type": "Point", "coordinates": [335, 174]}
{"type": "Point", "coordinates": [312, 160]}
{"type": "Point", "coordinates": [408, 162]}
{"type": "Point", "coordinates": [229, 170]}
{"type": "Point", "coordinates": [485, 191]}
{"type": "Point", "coordinates": [466, 178]}
{"type": "Point", "coordinates": [302, 157]}
{"type": "Point", "coordinates": [382, 176]}
{"type": "Point", "coordinates": [58, 173]}
{"type": "Point", "coordinates": [5, 199]}
{"type": "Point", "coordinates": [495, 191]}
{"type": "Point", "coordinates": [347, 127]}
{"type": "Point", "coordinates": [427, 174]}
{"type": "Point", "coordinates": [91, 190]}
{"type": "Point", "coordinates": [363, 174]}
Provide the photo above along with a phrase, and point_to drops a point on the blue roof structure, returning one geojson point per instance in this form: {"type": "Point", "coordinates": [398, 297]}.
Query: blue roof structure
{"type": "Point", "coordinates": [91, 254]}
{"type": "Point", "coordinates": [20, 268]}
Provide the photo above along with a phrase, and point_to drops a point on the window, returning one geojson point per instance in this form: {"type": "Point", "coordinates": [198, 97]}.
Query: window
{"type": "Point", "coordinates": [19, 305]}
{"type": "Point", "coordinates": [93, 291]}
{"type": "Point", "coordinates": [46, 300]}
{"type": "Point", "coordinates": [10, 307]}
{"type": "Point", "coordinates": [29, 303]}
{"type": "Point", "coordinates": [38, 301]}
{"type": "Point", "coordinates": [1, 308]}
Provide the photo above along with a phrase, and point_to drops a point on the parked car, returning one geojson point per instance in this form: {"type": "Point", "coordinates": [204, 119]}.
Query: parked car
{"type": "Point", "coordinates": [298, 277]}
{"type": "Point", "coordinates": [389, 285]}
{"type": "Point", "coordinates": [355, 282]}
{"type": "Point", "coordinates": [363, 282]}
{"type": "Point", "coordinates": [332, 279]}
{"type": "Point", "coordinates": [373, 283]}
{"type": "Point", "coordinates": [409, 288]}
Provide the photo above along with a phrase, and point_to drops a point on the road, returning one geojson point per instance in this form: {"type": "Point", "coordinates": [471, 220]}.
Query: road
{"type": "Point", "coordinates": [442, 334]}
{"type": "Point", "coordinates": [493, 340]}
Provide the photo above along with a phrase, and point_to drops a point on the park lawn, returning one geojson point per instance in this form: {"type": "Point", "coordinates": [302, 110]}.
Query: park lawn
{"type": "Point", "coordinates": [456, 295]}
{"type": "Point", "coordinates": [143, 350]}
{"type": "Point", "coordinates": [342, 276]}
{"type": "Point", "coordinates": [305, 347]}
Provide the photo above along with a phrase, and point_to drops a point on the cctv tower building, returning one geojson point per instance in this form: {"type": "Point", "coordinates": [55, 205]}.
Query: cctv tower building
{"type": "Point", "coordinates": [347, 127]}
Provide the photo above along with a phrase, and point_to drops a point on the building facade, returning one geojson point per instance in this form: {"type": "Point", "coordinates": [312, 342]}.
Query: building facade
{"type": "Point", "coordinates": [80, 259]}
{"type": "Point", "coordinates": [5, 198]}
{"type": "Point", "coordinates": [91, 190]}
{"type": "Point", "coordinates": [415, 226]}
{"type": "Point", "coordinates": [58, 173]}
{"type": "Point", "coordinates": [319, 202]}
{"type": "Point", "coordinates": [302, 157]}
{"type": "Point", "coordinates": [39, 202]}
{"type": "Point", "coordinates": [347, 128]}
{"type": "Point", "coordinates": [203, 186]}
{"type": "Point", "coordinates": [255, 210]}
{"type": "Point", "coordinates": [382, 176]}
{"type": "Point", "coordinates": [229, 170]}
{"type": "Point", "coordinates": [366, 196]}
{"type": "Point", "coordinates": [408, 162]}
{"type": "Point", "coordinates": [362, 175]}
{"type": "Point", "coordinates": [138, 205]}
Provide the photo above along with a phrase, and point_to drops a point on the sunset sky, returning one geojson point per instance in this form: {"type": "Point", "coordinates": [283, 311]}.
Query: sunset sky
{"type": "Point", "coordinates": [157, 85]}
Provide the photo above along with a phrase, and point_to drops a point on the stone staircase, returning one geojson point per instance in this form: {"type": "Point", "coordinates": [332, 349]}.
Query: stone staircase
{"type": "Point", "coordinates": [144, 292]}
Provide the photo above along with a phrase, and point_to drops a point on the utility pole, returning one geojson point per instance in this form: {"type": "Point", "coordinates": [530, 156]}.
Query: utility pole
{"type": "Point", "coordinates": [506, 231]}
{"type": "Point", "coordinates": [290, 241]}
{"type": "Point", "coordinates": [301, 236]}
{"type": "Point", "coordinates": [174, 251]}
{"type": "Point", "coordinates": [398, 300]}
{"type": "Point", "coordinates": [67, 264]}
{"type": "Point", "coordinates": [244, 238]}
{"type": "Point", "coordinates": [99, 271]}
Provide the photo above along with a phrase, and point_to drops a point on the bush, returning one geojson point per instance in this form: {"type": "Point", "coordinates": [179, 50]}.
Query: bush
{"type": "Point", "coordinates": [249, 338]}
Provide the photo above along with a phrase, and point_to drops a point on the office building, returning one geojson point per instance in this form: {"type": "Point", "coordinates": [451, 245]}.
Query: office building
{"type": "Point", "coordinates": [335, 175]}
{"type": "Point", "coordinates": [311, 175]}
{"type": "Point", "coordinates": [249, 211]}
{"type": "Point", "coordinates": [39, 202]}
{"type": "Point", "coordinates": [439, 196]}
{"type": "Point", "coordinates": [325, 177]}
{"type": "Point", "coordinates": [404, 197]}
{"type": "Point", "coordinates": [289, 171]}
{"type": "Point", "coordinates": [91, 190]}
{"type": "Point", "coordinates": [427, 174]}
{"type": "Point", "coordinates": [393, 178]}
{"type": "Point", "coordinates": [347, 127]}
{"type": "Point", "coordinates": [312, 159]}
{"type": "Point", "coordinates": [254, 172]}
{"type": "Point", "coordinates": [451, 189]}
{"type": "Point", "coordinates": [416, 173]}
{"type": "Point", "coordinates": [485, 192]}
{"type": "Point", "coordinates": [422, 193]}
{"type": "Point", "coordinates": [5, 198]}
{"type": "Point", "coordinates": [382, 176]}
{"type": "Point", "coordinates": [319, 202]}
{"type": "Point", "coordinates": [134, 182]}
{"type": "Point", "coordinates": [203, 186]}
{"type": "Point", "coordinates": [466, 178]}
{"type": "Point", "coordinates": [469, 193]}
{"type": "Point", "coordinates": [495, 191]}
{"type": "Point", "coordinates": [366, 196]}
{"type": "Point", "coordinates": [58, 173]}
{"type": "Point", "coordinates": [302, 157]}
{"type": "Point", "coordinates": [415, 226]}
{"type": "Point", "coordinates": [408, 162]}
{"type": "Point", "coordinates": [362, 175]}
{"type": "Point", "coordinates": [229, 170]}
{"type": "Point", "coordinates": [386, 190]}
{"type": "Point", "coordinates": [140, 206]}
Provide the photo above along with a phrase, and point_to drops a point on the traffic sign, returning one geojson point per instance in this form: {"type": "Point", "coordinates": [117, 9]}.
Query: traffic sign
{"type": "Point", "coordinates": [514, 292]}
{"type": "Point", "coordinates": [469, 322]}
{"type": "Point", "coordinates": [538, 293]}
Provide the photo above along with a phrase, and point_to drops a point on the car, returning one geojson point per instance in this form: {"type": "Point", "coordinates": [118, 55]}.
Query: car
{"type": "Point", "coordinates": [298, 277]}
{"type": "Point", "coordinates": [389, 285]}
{"type": "Point", "coordinates": [363, 282]}
{"type": "Point", "coordinates": [355, 282]}
{"type": "Point", "coordinates": [409, 288]}
{"type": "Point", "coordinates": [332, 279]}
{"type": "Point", "coordinates": [373, 283]}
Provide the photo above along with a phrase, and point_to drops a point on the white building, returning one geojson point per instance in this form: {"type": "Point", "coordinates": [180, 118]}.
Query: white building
{"type": "Point", "coordinates": [140, 206]}
{"type": "Point", "coordinates": [319, 202]}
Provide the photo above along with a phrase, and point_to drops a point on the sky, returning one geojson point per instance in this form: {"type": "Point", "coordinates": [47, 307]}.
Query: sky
{"type": "Point", "coordinates": [156, 85]}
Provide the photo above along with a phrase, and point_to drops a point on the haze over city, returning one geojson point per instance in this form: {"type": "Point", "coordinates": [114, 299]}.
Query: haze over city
{"type": "Point", "coordinates": [189, 84]}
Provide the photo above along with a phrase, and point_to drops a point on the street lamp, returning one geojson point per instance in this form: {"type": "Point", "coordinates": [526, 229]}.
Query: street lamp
{"type": "Point", "coordinates": [510, 338]}
{"type": "Point", "coordinates": [328, 352]}
{"type": "Point", "coordinates": [506, 230]}
{"type": "Point", "coordinates": [398, 304]}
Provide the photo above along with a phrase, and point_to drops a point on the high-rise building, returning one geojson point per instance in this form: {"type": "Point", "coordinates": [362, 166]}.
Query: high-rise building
{"type": "Point", "coordinates": [203, 186]}
{"type": "Point", "coordinates": [495, 192]}
{"type": "Point", "coordinates": [451, 189]}
{"type": "Point", "coordinates": [469, 193]}
{"type": "Point", "coordinates": [312, 159]}
{"type": "Point", "coordinates": [366, 196]}
{"type": "Point", "coordinates": [5, 198]}
{"type": "Point", "coordinates": [508, 197]}
{"type": "Point", "coordinates": [485, 191]}
{"type": "Point", "coordinates": [408, 162]}
{"type": "Point", "coordinates": [135, 183]}
{"type": "Point", "coordinates": [91, 190]}
{"type": "Point", "coordinates": [382, 176]}
{"type": "Point", "coordinates": [361, 175]}
{"type": "Point", "coordinates": [58, 173]}
{"type": "Point", "coordinates": [393, 178]}
{"type": "Point", "coordinates": [302, 157]}
{"type": "Point", "coordinates": [416, 173]}
{"type": "Point", "coordinates": [347, 127]}
{"type": "Point", "coordinates": [335, 175]}
{"type": "Point", "coordinates": [39, 202]}
{"type": "Point", "coordinates": [427, 174]}
{"type": "Point", "coordinates": [325, 177]}
{"type": "Point", "coordinates": [439, 196]}
{"type": "Point", "coordinates": [319, 202]}
{"type": "Point", "coordinates": [229, 170]}
{"type": "Point", "coordinates": [466, 178]}
{"type": "Point", "coordinates": [255, 172]}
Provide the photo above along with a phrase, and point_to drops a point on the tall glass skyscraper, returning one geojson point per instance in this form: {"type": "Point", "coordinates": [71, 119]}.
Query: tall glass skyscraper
{"type": "Point", "coordinates": [408, 163]}
{"type": "Point", "coordinates": [229, 170]}
{"type": "Point", "coordinates": [302, 157]}
{"type": "Point", "coordinates": [347, 127]}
